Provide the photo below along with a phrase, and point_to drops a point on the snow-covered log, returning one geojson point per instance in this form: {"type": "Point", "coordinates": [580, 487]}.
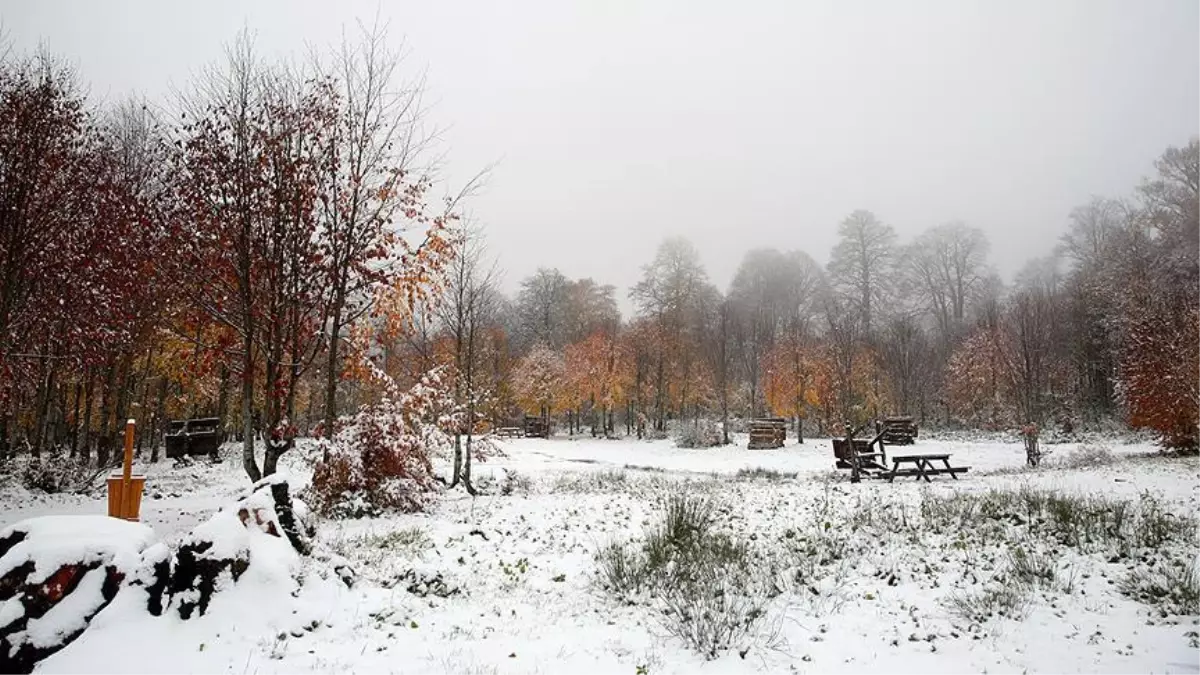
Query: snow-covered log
{"type": "Point", "coordinates": [56, 573]}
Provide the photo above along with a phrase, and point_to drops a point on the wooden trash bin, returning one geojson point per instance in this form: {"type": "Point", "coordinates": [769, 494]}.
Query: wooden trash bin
{"type": "Point", "coordinates": [122, 504]}
{"type": "Point", "coordinates": [125, 489]}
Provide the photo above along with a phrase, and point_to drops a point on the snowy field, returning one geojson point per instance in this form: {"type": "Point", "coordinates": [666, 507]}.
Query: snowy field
{"type": "Point", "coordinates": [873, 577]}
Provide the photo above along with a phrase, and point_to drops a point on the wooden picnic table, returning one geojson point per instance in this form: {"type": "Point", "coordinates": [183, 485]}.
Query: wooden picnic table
{"type": "Point", "coordinates": [923, 466]}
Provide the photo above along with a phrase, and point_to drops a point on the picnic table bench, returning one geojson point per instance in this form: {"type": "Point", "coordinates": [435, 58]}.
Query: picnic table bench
{"type": "Point", "coordinates": [923, 467]}
{"type": "Point", "coordinates": [510, 432]}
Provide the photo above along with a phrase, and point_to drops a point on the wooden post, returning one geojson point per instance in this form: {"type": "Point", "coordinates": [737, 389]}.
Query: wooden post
{"type": "Point", "coordinates": [125, 489]}
{"type": "Point", "coordinates": [850, 450]}
{"type": "Point", "coordinates": [127, 471]}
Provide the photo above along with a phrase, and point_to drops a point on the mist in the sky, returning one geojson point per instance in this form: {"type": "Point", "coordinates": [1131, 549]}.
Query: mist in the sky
{"type": "Point", "coordinates": [738, 125]}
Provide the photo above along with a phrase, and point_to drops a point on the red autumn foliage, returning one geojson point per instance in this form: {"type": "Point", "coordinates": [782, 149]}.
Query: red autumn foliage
{"type": "Point", "coordinates": [378, 458]}
{"type": "Point", "coordinates": [1161, 376]}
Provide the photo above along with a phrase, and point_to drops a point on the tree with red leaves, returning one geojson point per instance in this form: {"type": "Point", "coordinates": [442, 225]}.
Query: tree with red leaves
{"type": "Point", "coordinates": [1159, 378]}
{"type": "Point", "coordinates": [249, 187]}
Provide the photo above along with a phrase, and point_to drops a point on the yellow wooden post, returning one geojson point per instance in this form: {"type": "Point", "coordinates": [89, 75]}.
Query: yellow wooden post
{"type": "Point", "coordinates": [127, 474]}
{"type": "Point", "coordinates": [125, 490]}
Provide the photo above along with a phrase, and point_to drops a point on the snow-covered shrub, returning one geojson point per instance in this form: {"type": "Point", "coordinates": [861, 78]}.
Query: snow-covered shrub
{"type": "Point", "coordinates": [1033, 568]}
{"type": "Point", "coordinates": [609, 480]}
{"type": "Point", "coordinates": [653, 434]}
{"type": "Point", "coordinates": [699, 434]}
{"type": "Point", "coordinates": [1088, 455]}
{"type": "Point", "coordinates": [515, 483]}
{"type": "Point", "coordinates": [710, 588]}
{"type": "Point", "coordinates": [378, 458]}
{"type": "Point", "coordinates": [758, 472]}
{"type": "Point", "coordinates": [56, 472]}
{"type": "Point", "coordinates": [1174, 586]}
{"type": "Point", "coordinates": [996, 600]}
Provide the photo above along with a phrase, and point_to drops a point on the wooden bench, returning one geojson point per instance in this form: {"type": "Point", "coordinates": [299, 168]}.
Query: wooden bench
{"type": "Point", "coordinates": [923, 467]}
{"type": "Point", "coordinates": [860, 456]}
{"type": "Point", "coordinates": [510, 432]}
{"type": "Point", "coordinates": [193, 437]}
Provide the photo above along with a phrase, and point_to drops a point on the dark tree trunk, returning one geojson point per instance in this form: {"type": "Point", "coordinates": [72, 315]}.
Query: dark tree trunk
{"type": "Point", "coordinates": [103, 439]}
{"type": "Point", "coordinates": [160, 418]}
{"type": "Point", "coordinates": [332, 364]}
{"type": "Point", "coordinates": [42, 401]}
{"type": "Point", "coordinates": [249, 463]}
{"type": "Point", "coordinates": [89, 398]}
{"type": "Point", "coordinates": [73, 434]}
{"type": "Point", "coordinates": [222, 400]}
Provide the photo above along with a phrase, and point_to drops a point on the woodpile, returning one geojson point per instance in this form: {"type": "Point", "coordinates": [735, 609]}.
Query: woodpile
{"type": "Point", "coordinates": [897, 430]}
{"type": "Point", "coordinates": [537, 427]}
{"type": "Point", "coordinates": [767, 432]}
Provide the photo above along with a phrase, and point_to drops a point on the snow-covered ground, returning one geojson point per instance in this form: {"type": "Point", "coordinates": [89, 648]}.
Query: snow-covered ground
{"type": "Point", "coordinates": [507, 582]}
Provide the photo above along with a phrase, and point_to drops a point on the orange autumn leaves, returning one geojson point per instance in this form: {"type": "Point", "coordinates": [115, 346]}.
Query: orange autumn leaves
{"type": "Point", "coordinates": [594, 373]}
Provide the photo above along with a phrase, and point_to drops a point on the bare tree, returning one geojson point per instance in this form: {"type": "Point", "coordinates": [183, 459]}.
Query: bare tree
{"type": "Point", "coordinates": [218, 164]}
{"type": "Point", "coordinates": [667, 295]}
{"type": "Point", "coordinates": [590, 307]}
{"type": "Point", "coordinates": [542, 307]}
{"type": "Point", "coordinates": [861, 263]}
{"type": "Point", "coordinates": [907, 358]}
{"type": "Point", "coordinates": [843, 336]}
{"type": "Point", "coordinates": [719, 348]}
{"type": "Point", "coordinates": [760, 295]}
{"type": "Point", "coordinates": [370, 181]}
{"type": "Point", "coordinates": [467, 310]}
{"type": "Point", "coordinates": [249, 165]}
{"type": "Point", "coordinates": [948, 263]}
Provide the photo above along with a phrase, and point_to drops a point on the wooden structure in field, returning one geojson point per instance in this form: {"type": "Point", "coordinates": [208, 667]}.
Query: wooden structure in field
{"type": "Point", "coordinates": [510, 432]}
{"type": "Point", "coordinates": [864, 457]}
{"type": "Point", "coordinates": [869, 458]}
{"type": "Point", "coordinates": [125, 489]}
{"type": "Point", "coordinates": [193, 437]}
{"type": "Point", "coordinates": [537, 427]}
{"type": "Point", "coordinates": [767, 432]}
{"type": "Point", "coordinates": [923, 467]}
{"type": "Point", "coordinates": [897, 430]}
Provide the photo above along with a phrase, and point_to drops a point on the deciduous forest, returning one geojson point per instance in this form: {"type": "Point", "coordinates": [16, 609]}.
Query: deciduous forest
{"type": "Point", "coordinates": [266, 248]}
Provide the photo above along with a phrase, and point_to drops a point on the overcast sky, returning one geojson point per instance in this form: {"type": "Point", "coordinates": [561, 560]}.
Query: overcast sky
{"type": "Point", "coordinates": [616, 123]}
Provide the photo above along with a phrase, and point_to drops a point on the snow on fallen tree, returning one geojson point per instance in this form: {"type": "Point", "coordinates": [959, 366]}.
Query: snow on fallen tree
{"type": "Point", "coordinates": [262, 535]}
{"type": "Point", "coordinates": [62, 575]}
{"type": "Point", "coordinates": [56, 573]}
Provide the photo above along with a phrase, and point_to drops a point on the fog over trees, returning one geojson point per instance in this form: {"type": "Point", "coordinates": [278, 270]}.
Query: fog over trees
{"type": "Point", "coordinates": [256, 249]}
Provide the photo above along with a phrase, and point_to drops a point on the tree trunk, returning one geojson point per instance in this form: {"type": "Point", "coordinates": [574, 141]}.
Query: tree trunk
{"type": "Point", "coordinates": [74, 433]}
{"type": "Point", "coordinates": [42, 402]}
{"type": "Point", "coordinates": [249, 463]}
{"type": "Point", "coordinates": [160, 418]}
{"type": "Point", "coordinates": [223, 398]}
{"type": "Point", "coordinates": [332, 365]}
{"type": "Point", "coordinates": [89, 398]}
{"type": "Point", "coordinates": [103, 439]}
{"type": "Point", "coordinates": [660, 422]}
{"type": "Point", "coordinates": [122, 409]}
{"type": "Point", "coordinates": [470, 358]}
